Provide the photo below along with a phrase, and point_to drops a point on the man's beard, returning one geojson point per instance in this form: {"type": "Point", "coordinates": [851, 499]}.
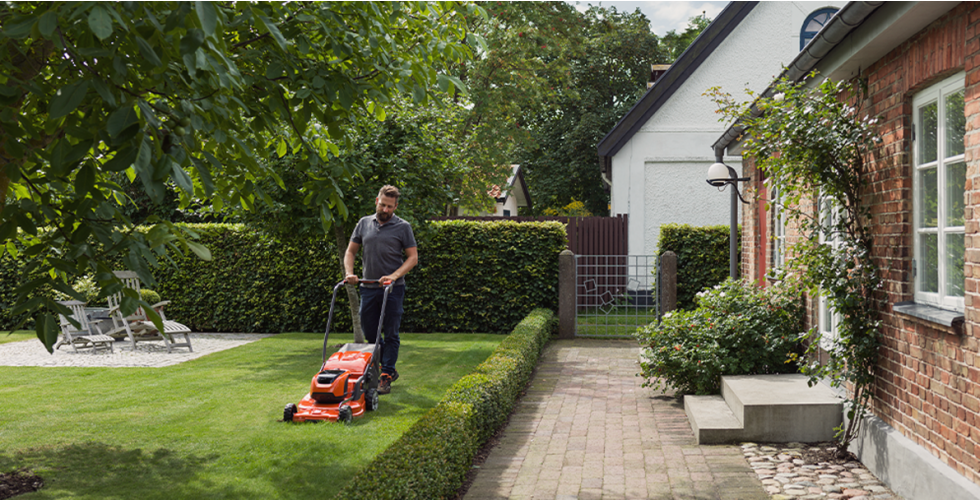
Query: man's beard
{"type": "Point", "coordinates": [384, 216]}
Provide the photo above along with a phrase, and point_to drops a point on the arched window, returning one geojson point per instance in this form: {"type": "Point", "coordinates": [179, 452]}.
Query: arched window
{"type": "Point", "coordinates": [814, 23]}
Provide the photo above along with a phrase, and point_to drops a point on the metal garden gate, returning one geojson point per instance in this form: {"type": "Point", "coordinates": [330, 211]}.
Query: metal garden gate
{"type": "Point", "coordinates": [615, 294]}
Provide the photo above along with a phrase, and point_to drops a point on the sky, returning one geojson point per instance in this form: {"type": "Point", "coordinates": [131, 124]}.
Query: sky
{"type": "Point", "coordinates": [663, 16]}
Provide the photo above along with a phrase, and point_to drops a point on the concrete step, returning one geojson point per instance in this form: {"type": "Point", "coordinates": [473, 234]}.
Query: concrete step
{"type": "Point", "coordinates": [770, 408]}
{"type": "Point", "coordinates": [712, 419]}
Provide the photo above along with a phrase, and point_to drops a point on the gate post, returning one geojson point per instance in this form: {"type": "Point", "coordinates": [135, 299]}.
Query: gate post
{"type": "Point", "coordinates": [668, 281]}
{"type": "Point", "coordinates": [566, 294]}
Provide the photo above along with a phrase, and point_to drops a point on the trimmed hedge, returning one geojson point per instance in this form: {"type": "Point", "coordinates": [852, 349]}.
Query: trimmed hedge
{"type": "Point", "coordinates": [472, 277]}
{"type": "Point", "coordinates": [702, 257]}
{"type": "Point", "coordinates": [432, 458]}
{"type": "Point", "coordinates": [478, 276]}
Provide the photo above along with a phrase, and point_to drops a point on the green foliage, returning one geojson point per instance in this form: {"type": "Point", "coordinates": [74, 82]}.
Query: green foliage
{"type": "Point", "coordinates": [432, 458]}
{"type": "Point", "coordinates": [257, 284]}
{"type": "Point", "coordinates": [189, 97]}
{"type": "Point", "coordinates": [608, 69]}
{"type": "Point", "coordinates": [702, 257]}
{"type": "Point", "coordinates": [149, 296]}
{"type": "Point", "coordinates": [737, 329]}
{"type": "Point", "coordinates": [483, 276]}
{"type": "Point", "coordinates": [674, 43]}
{"type": "Point", "coordinates": [574, 209]}
{"type": "Point", "coordinates": [522, 66]}
{"type": "Point", "coordinates": [816, 144]}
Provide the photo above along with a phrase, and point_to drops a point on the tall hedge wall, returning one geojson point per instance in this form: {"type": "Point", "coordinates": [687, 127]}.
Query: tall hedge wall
{"type": "Point", "coordinates": [472, 277]}
{"type": "Point", "coordinates": [483, 276]}
{"type": "Point", "coordinates": [702, 257]}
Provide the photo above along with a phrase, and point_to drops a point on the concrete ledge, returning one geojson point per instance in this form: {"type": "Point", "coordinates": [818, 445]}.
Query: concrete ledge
{"type": "Point", "coordinates": [782, 408]}
{"type": "Point", "coordinates": [712, 420]}
{"type": "Point", "coordinates": [906, 467]}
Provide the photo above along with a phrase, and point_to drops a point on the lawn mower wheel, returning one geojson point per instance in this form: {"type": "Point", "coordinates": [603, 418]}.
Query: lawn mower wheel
{"type": "Point", "coordinates": [371, 400]}
{"type": "Point", "coordinates": [287, 414]}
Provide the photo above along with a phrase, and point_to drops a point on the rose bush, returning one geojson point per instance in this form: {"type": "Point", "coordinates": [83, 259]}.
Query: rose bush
{"type": "Point", "coordinates": [736, 329]}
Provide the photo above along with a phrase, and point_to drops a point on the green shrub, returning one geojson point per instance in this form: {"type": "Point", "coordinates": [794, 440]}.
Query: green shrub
{"type": "Point", "coordinates": [432, 458]}
{"type": "Point", "coordinates": [737, 329]}
{"type": "Point", "coordinates": [149, 295]}
{"type": "Point", "coordinates": [702, 257]}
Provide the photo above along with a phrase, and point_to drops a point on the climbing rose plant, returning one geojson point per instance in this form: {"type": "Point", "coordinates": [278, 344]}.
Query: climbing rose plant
{"type": "Point", "coordinates": [814, 146]}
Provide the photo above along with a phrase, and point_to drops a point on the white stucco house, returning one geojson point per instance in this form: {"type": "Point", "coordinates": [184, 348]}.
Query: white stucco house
{"type": "Point", "coordinates": [656, 158]}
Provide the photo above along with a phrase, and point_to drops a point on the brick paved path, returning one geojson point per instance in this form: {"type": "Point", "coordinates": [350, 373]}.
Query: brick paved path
{"type": "Point", "coordinates": [587, 430]}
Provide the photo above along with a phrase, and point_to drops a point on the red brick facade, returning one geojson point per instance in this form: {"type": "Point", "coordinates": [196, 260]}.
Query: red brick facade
{"type": "Point", "coordinates": [928, 374]}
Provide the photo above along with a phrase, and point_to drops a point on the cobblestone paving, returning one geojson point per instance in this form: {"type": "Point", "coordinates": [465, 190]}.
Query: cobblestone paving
{"type": "Point", "coordinates": [587, 430]}
{"type": "Point", "coordinates": [786, 476]}
{"type": "Point", "coordinates": [148, 354]}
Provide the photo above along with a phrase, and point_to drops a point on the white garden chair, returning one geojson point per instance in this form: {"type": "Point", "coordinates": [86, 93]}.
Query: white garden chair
{"type": "Point", "coordinates": [82, 335]}
{"type": "Point", "coordinates": [138, 326]}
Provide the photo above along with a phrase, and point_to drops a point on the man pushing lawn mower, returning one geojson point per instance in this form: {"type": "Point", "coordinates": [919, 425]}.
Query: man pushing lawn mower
{"type": "Point", "coordinates": [384, 237]}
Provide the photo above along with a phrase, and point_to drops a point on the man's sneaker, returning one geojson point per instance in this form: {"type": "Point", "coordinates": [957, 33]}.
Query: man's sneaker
{"type": "Point", "coordinates": [394, 376]}
{"type": "Point", "coordinates": [385, 386]}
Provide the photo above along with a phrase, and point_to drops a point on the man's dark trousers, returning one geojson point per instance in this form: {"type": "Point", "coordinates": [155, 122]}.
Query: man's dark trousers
{"type": "Point", "coordinates": [371, 299]}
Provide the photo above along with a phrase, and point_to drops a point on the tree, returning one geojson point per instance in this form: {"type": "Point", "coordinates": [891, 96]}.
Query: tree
{"type": "Point", "coordinates": [674, 44]}
{"type": "Point", "coordinates": [191, 94]}
{"type": "Point", "coordinates": [522, 66]}
{"type": "Point", "coordinates": [414, 149]}
{"type": "Point", "coordinates": [608, 72]}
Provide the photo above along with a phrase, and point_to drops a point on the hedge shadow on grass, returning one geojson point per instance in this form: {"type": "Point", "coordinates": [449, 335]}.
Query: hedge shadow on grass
{"type": "Point", "coordinates": [96, 470]}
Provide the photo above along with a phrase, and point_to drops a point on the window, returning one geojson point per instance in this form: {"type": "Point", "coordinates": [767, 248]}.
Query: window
{"type": "Point", "coordinates": [829, 319]}
{"type": "Point", "coordinates": [938, 186]}
{"type": "Point", "coordinates": [778, 256]}
{"type": "Point", "coordinates": [813, 24]}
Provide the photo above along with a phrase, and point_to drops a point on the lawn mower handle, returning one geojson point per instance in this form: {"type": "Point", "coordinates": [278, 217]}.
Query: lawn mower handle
{"type": "Point", "coordinates": [333, 300]}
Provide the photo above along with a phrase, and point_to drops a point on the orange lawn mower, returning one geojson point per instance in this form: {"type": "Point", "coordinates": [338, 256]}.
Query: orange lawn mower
{"type": "Point", "coordinates": [347, 383]}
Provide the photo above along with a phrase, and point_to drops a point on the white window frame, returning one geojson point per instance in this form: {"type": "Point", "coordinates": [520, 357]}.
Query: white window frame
{"type": "Point", "coordinates": [828, 320]}
{"type": "Point", "coordinates": [934, 94]}
{"type": "Point", "coordinates": [778, 253]}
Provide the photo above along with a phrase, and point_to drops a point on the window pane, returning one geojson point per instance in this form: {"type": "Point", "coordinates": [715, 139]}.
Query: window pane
{"type": "Point", "coordinates": [954, 264]}
{"type": "Point", "coordinates": [929, 197]}
{"type": "Point", "coordinates": [825, 318]}
{"type": "Point", "coordinates": [955, 124]}
{"type": "Point", "coordinates": [928, 261]}
{"type": "Point", "coordinates": [955, 184]}
{"type": "Point", "coordinates": [926, 133]}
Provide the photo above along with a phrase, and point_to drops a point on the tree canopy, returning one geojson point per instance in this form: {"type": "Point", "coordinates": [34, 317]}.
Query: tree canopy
{"type": "Point", "coordinates": [191, 95]}
{"type": "Point", "coordinates": [607, 72]}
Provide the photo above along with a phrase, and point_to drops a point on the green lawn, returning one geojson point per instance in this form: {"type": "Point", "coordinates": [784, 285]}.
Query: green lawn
{"type": "Point", "coordinates": [612, 322]}
{"type": "Point", "coordinates": [16, 336]}
{"type": "Point", "coordinates": [209, 427]}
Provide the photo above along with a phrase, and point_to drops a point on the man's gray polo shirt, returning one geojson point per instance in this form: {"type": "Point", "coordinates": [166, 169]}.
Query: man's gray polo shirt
{"type": "Point", "coordinates": [382, 245]}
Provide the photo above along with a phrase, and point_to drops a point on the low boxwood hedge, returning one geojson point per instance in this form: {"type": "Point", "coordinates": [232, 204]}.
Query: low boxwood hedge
{"type": "Point", "coordinates": [432, 458]}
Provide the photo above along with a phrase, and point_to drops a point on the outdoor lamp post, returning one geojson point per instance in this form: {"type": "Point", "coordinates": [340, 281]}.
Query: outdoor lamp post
{"type": "Point", "coordinates": [719, 176]}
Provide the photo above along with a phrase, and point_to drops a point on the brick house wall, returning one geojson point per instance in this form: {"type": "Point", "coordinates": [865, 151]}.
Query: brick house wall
{"type": "Point", "coordinates": [928, 385]}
